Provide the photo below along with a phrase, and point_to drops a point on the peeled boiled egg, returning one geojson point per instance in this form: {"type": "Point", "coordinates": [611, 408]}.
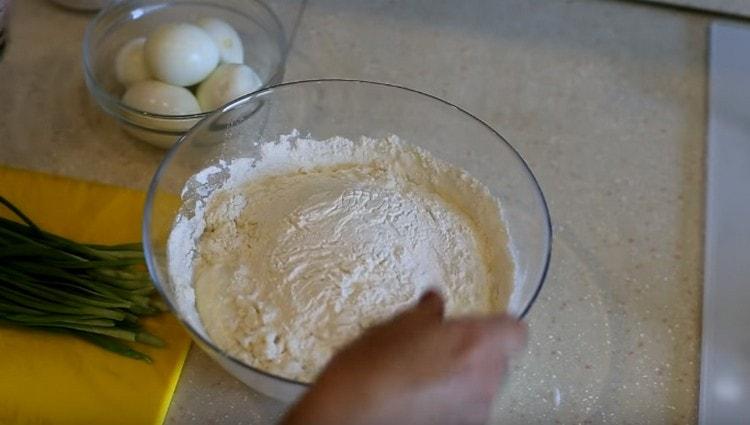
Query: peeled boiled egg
{"type": "Point", "coordinates": [180, 54]}
{"type": "Point", "coordinates": [130, 63]}
{"type": "Point", "coordinates": [228, 82]}
{"type": "Point", "coordinates": [226, 39]}
{"type": "Point", "coordinates": [161, 98]}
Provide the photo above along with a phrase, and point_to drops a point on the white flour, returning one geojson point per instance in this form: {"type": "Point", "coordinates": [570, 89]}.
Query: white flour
{"type": "Point", "coordinates": [300, 250]}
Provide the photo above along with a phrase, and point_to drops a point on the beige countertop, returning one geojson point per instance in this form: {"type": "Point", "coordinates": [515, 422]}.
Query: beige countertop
{"type": "Point", "coordinates": [606, 100]}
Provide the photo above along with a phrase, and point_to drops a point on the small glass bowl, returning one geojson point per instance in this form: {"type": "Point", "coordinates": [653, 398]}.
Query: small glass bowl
{"type": "Point", "coordinates": [259, 28]}
{"type": "Point", "coordinates": [347, 108]}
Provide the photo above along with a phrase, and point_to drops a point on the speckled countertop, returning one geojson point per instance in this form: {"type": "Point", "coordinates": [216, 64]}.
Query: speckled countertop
{"type": "Point", "coordinates": [606, 100]}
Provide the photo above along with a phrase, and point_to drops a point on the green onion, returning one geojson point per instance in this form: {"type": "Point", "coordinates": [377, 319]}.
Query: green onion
{"type": "Point", "coordinates": [95, 292]}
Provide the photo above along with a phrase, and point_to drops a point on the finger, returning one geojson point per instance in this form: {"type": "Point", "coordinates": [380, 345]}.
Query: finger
{"type": "Point", "coordinates": [431, 304]}
{"type": "Point", "coordinates": [429, 308]}
{"type": "Point", "coordinates": [507, 333]}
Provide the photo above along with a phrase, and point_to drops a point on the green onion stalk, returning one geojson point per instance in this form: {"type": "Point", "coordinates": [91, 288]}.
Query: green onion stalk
{"type": "Point", "coordinates": [98, 293]}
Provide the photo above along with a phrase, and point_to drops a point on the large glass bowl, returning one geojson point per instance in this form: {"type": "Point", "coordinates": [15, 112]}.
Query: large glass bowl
{"type": "Point", "coordinates": [258, 27]}
{"type": "Point", "coordinates": [348, 108]}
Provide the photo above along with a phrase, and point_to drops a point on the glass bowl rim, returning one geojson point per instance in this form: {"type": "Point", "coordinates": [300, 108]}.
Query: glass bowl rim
{"type": "Point", "coordinates": [104, 96]}
{"type": "Point", "coordinates": [166, 160]}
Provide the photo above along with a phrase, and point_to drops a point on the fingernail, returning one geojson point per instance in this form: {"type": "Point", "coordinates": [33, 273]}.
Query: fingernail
{"type": "Point", "coordinates": [430, 295]}
{"type": "Point", "coordinates": [433, 300]}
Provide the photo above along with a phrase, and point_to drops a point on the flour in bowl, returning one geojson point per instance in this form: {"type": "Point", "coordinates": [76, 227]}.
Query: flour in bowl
{"type": "Point", "coordinates": [297, 251]}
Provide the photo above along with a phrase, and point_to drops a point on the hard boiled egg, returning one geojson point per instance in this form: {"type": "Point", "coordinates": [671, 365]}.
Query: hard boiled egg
{"type": "Point", "coordinates": [181, 54]}
{"type": "Point", "coordinates": [130, 63]}
{"type": "Point", "coordinates": [161, 98]}
{"type": "Point", "coordinates": [228, 82]}
{"type": "Point", "coordinates": [226, 39]}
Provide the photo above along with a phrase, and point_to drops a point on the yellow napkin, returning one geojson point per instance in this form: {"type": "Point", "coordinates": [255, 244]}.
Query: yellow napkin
{"type": "Point", "coordinates": [57, 379]}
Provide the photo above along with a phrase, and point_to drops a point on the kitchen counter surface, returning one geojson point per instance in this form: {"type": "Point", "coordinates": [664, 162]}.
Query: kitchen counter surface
{"type": "Point", "coordinates": [607, 102]}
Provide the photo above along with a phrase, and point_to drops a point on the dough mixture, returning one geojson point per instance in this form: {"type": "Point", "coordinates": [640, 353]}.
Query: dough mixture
{"type": "Point", "coordinates": [300, 250]}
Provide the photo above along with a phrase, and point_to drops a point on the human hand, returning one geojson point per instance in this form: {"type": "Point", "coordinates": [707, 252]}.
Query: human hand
{"type": "Point", "coordinates": [415, 369]}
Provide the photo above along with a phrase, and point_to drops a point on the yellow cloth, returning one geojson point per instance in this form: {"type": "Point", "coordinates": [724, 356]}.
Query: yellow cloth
{"type": "Point", "coordinates": [57, 379]}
